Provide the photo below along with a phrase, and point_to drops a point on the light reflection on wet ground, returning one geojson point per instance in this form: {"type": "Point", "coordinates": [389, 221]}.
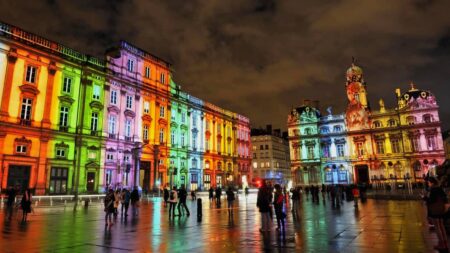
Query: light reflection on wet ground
{"type": "Point", "coordinates": [377, 226]}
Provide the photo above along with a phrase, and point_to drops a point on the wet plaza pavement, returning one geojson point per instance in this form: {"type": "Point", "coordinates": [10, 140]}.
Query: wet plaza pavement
{"type": "Point", "coordinates": [377, 226]}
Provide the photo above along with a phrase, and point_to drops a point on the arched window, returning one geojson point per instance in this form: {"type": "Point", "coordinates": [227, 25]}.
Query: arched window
{"type": "Point", "coordinates": [337, 129]}
{"type": "Point", "coordinates": [324, 130]}
{"type": "Point", "coordinates": [377, 124]}
{"type": "Point", "coordinates": [392, 123]}
{"type": "Point", "coordinates": [308, 131]}
{"type": "Point", "coordinates": [410, 120]}
{"type": "Point", "coordinates": [427, 118]}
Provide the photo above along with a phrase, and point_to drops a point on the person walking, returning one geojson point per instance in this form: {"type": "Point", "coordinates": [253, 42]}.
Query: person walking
{"type": "Point", "coordinates": [166, 196]}
{"type": "Point", "coordinates": [173, 199]}
{"type": "Point", "coordinates": [109, 207]}
{"type": "Point", "coordinates": [193, 196]}
{"type": "Point", "coordinates": [355, 192]}
{"type": "Point", "coordinates": [295, 199]}
{"type": "Point", "coordinates": [125, 198]}
{"type": "Point", "coordinates": [211, 194]}
{"type": "Point", "coordinates": [11, 193]}
{"type": "Point", "coordinates": [117, 201]}
{"type": "Point", "coordinates": [263, 202]}
{"type": "Point", "coordinates": [26, 204]}
{"type": "Point", "coordinates": [182, 194]}
{"type": "Point", "coordinates": [278, 201]}
{"type": "Point", "coordinates": [134, 198]}
{"type": "Point", "coordinates": [436, 201]}
{"type": "Point", "coordinates": [230, 200]}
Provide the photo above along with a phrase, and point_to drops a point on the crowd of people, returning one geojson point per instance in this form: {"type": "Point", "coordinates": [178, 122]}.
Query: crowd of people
{"type": "Point", "coordinates": [122, 197]}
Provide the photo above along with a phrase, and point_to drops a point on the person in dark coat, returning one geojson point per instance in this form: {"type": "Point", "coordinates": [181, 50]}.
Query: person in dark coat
{"type": "Point", "coordinates": [278, 201]}
{"type": "Point", "coordinates": [11, 193]}
{"type": "Point", "coordinates": [134, 198]}
{"type": "Point", "coordinates": [211, 194]}
{"type": "Point", "coordinates": [109, 207]}
{"type": "Point", "coordinates": [230, 200]}
{"type": "Point", "coordinates": [263, 202]}
{"type": "Point", "coordinates": [182, 195]}
{"type": "Point", "coordinates": [436, 201]}
{"type": "Point", "coordinates": [26, 204]}
{"type": "Point", "coordinates": [218, 195]}
{"type": "Point", "coordinates": [166, 196]}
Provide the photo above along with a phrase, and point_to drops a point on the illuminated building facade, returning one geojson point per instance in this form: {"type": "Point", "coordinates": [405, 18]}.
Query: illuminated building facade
{"type": "Point", "coordinates": [364, 145]}
{"type": "Point", "coordinates": [71, 122]}
{"type": "Point", "coordinates": [270, 151]}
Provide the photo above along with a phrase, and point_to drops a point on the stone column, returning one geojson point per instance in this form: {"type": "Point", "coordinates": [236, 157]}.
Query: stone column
{"type": "Point", "coordinates": [42, 166]}
{"type": "Point", "coordinates": [4, 110]}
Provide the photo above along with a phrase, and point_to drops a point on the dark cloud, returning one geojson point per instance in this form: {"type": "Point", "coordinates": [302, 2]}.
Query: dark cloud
{"type": "Point", "coordinates": [262, 57]}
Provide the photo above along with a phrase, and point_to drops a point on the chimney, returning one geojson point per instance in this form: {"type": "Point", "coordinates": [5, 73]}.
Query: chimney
{"type": "Point", "coordinates": [277, 132]}
{"type": "Point", "coordinates": [316, 104]}
{"type": "Point", "coordinates": [307, 102]}
{"type": "Point", "coordinates": [269, 129]}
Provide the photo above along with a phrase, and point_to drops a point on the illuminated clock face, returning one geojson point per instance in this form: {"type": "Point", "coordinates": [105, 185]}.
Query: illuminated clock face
{"type": "Point", "coordinates": [423, 94]}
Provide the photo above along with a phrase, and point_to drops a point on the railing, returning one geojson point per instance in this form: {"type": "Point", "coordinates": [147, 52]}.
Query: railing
{"type": "Point", "coordinates": [19, 34]}
{"type": "Point", "coordinates": [25, 122]}
{"type": "Point", "coordinates": [63, 128]}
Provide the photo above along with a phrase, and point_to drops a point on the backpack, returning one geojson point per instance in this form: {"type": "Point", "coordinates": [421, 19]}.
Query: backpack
{"type": "Point", "coordinates": [172, 195]}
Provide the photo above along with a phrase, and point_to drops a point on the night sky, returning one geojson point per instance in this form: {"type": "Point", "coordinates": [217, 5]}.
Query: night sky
{"type": "Point", "coordinates": [261, 57]}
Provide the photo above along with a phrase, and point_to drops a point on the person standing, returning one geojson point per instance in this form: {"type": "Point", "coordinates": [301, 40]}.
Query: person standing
{"type": "Point", "coordinates": [26, 204]}
{"type": "Point", "coordinates": [173, 199]}
{"type": "Point", "coordinates": [117, 201]}
{"type": "Point", "coordinates": [436, 201]}
{"type": "Point", "coordinates": [125, 198]}
{"type": "Point", "coordinates": [278, 206]}
{"type": "Point", "coordinates": [355, 192]}
{"type": "Point", "coordinates": [211, 194]}
{"type": "Point", "coordinates": [134, 198]}
{"type": "Point", "coordinates": [182, 193]}
{"type": "Point", "coordinates": [193, 196]}
{"type": "Point", "coordinates": [166, 196]}
{"type": "Point", "coordinates": [109, 207]}
{"type": "Point", "coordinates": [11, 192]}
{"type": "Point", "coordinates": [263, 202]}
{"type": "Point", "coordinates": [295, 199]}
{"type": "Point", "coordinates": [218, 195]}
{"type": "Point", "coordinates": [230, 200]}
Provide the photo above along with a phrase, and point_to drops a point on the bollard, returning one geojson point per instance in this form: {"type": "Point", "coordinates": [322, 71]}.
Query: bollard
{"type": "Point", "coordinates": [86, 203]}
{"type": "Point", "coordinates": [199, 208]}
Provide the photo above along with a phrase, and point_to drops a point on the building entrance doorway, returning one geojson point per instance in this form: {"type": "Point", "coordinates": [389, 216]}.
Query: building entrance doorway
{"type": "Point", "coordinates": [19, 175]}
{"type": "Point", "coordinates": [90, 184]}
{"type": "Point", "coordinates": [362, 173]}
{"type": "Point", "coordinates": [144, 176]}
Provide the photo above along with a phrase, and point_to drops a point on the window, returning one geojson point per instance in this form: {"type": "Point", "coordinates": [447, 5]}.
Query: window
{"type": "Point", "coordinates": [310, 152]}
{"type": "Point", "coordinates": [94, 121]}
{"type": "Point", "coordinates": [340, 150]}
{"type": "Point", "coordinates": [415, 143]}
{"type": "Point", "coordinates": [431, 142]}
{"type": "Point", "coordinates": [194, 121]}
{"type": "Point", "coordinates": [337, 129]}
{"type": "Point", "coordinates": [377, 124]}
{"type": "Point", "coordinates": [255, 165]}
{"type": "Point", "coordinates": [112, 124]}
{"type": "Point", "coordinates": [326, 150]}
{"type": "Point", "coordinates": [391, 123]}
{"type": "Point", "coordinates": [145, 133]}
{"type": "Point", "coordinates": [324, 130]}
{"type": "Point", "coordinates": [25, 113]}
{"type": "Point", "coordinates": [194, 163]}
{"type": "Point", "coordinates": [60, 152]}
{"type": "Point", "coordinates": [207, 165]}
{"type": "Point", "coordinates": [262, 165]}
{"type": "Point", "coordinates": [182, 139]}
{"type": "Point", "coordinates": [308, 131]}
{"type": "Point", "coordinates": [63, 116]}
{"type": "Point", "coordinates": [146, 107]}
{"type": "Point", "coordinates": [267, 164]}
{"type": "Point", "coordinates": [130, 65]}
{"type": "Point", "coordinates": [129, 102]}
{"type": "Point", "coordinates": [194, 142]}
{"type": "Point", "coordinates": [207, 144]}
{"type": "Point", "coordinates": [96, 92]}
{"type": "Point", "coordinates": [410, 120]}
{"type": "Point", "coordinates": [128, 128]}
{"type": "Point", "coordinates": [126, 158]}
{"type": "Point", "coordinates": [67, 85]}
{"type": "Point", "coordinates": [360, 148]}
{"type": "Point", "coordinates": [147, 71]}
{"type": "Point", "coordinates": [267, 147]}
{"type": "Point", "coordinates": [427, 118]}
{"type": "Point", "coordinates": [261, 147]}
{"type": "Point", "coordinates": [162, 112]}
{"type": "Point", "coordinates": [109, 157]}
{"type": "Point", "coordinates": [31, 74]}
{"type": "Point", "coordinates": [21, 149]}
{"type": "Point", "coordinates": [172, 137]}
{"type": "Point", "coordinates": [113, 97]}
{"type": "Point", "coordinates": [395, 144]}
{"type": "Point", "coordinates": [380, 147]}
{"type": "Point", "coordinates": [183, 117]}
{"type": "Point", "coordinates": [161, 135]}
{"type": "Point", "coordinates": [163, 78]}
{"type": "Point", "coordinates": [58, 180]}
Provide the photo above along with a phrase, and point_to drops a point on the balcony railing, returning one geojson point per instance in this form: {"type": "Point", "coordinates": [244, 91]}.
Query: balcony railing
{"type": "Point", "coordinates": [63, 128]}
{"type": "Point", "coordinates": [112, 136]}
{"type": "Point", "coordinates": [128, 138]}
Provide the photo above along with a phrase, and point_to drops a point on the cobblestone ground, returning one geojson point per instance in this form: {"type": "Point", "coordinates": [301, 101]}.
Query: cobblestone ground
{"type": "Point", "coordinates": [377, 226]}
